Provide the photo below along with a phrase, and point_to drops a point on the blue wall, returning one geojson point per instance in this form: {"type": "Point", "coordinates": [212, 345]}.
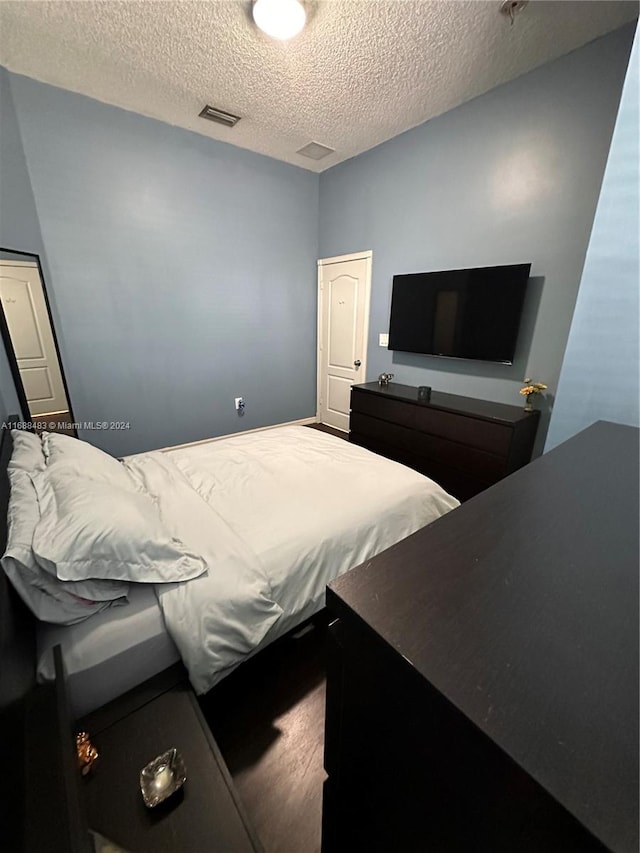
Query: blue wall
{"type": "Point", "coordinates": [19, 227]}
{"type": "Point", "coordinates": [183, 271]}
{"type": "Point", "coordinates": [512, 176]}
{"type": "Point", "coordinates": [600, 377]}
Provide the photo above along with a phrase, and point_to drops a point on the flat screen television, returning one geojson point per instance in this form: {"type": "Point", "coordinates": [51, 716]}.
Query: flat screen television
{"type": "Point", "coordinates": [472, 313]}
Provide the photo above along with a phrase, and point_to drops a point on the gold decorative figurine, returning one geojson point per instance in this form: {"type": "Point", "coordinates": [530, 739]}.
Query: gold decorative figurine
{"type": "Point", "coordinates": [87, 753]}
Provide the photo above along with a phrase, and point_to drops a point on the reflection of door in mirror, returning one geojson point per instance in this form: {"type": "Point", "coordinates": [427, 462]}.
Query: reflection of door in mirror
{"type": "Point", "coordinates": [27, 319]}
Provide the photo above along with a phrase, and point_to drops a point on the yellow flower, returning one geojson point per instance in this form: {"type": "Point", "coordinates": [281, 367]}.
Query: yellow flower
{"type": "Point", "coordinates": [532, 388]}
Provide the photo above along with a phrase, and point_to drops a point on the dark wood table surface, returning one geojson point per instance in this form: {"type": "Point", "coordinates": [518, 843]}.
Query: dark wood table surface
{"type": "Point", "coordinates": [486, 409]}
{"type": "Point", "coordinates": [205, 817]}
{"type": "Point", "coordinates": [521, 608]}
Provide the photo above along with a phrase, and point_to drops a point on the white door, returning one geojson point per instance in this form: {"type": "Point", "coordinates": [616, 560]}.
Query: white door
{"type": "Point", "coordinates": [343, 325]}
{"type": "Point", "coordinates": [28, 320]}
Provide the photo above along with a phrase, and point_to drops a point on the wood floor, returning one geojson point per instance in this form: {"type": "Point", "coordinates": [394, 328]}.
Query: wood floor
{"type": "Point", "coordinates": [57, 422]}
{"type": "Point", "coordinates": [331, 430]}
{"type": "Point", "coordinates": [268, 720]}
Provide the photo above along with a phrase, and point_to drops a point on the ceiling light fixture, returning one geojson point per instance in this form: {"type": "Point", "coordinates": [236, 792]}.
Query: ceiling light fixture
{"type": "Point", "coordinates": [280, 19]}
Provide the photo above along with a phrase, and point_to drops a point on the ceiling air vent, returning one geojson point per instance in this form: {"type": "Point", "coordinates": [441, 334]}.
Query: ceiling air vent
{"type": "Point", "coordinates": [219, 116]}
{"type": "Point", "coordinates": [315, 151]}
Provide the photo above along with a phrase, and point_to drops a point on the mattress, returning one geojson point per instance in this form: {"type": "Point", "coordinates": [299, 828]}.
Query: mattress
{"type": "Point", "coordinates": [121, 647]}
{"type": "Point", "coordinates": [110, 653]}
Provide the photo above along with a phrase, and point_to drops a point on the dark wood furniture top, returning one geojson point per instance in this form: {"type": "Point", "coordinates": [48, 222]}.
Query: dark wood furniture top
{"type": "Point", "coordinates": [206, 815]}
{"type": "Point", "coordinates": [462, 443]}
{"type": "Point", "coordinates": [519, 610]}
{"type": "Point", "coordinates": [484, 409]}
{"type": "Point", "coordinates": [55, 819]}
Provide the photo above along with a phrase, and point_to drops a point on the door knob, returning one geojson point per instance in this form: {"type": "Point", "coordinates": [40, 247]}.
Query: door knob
{"type": "Point", "coordinates": [357, 362]}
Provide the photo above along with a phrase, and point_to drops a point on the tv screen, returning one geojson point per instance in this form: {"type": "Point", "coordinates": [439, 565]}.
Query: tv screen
{"type": "Point", "coordinates": [472, 313]}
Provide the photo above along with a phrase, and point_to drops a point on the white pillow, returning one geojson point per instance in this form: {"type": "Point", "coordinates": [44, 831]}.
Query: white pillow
{"type": "Point", "coordinates": [27, 453]}
{"type": "Point", "coordinates": [93, 529]}
{"type": "Point", "coordinates": [50, 599]}
{"type": "Point", "coordinates": [86, 459]}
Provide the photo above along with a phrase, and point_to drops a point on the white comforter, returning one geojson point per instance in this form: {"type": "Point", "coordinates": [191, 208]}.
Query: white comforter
{"type": "Point", "coordinates": [276, 515]}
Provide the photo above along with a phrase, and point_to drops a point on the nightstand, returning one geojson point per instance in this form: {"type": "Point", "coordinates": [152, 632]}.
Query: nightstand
{"type": "Point", "coordinates": [206, 816]}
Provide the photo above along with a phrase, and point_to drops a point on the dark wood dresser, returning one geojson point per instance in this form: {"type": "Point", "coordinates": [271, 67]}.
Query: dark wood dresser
{"type": "Point", "coordinates": [462, 443]}
{"type": "Point", "coordinates": [482, 689]}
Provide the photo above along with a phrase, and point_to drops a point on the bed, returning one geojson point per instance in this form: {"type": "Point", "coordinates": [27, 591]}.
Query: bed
{"type": "Point", "coordinates": [265, 521]}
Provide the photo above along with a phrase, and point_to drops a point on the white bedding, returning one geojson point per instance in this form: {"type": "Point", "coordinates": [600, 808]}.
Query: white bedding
{"type": "Point", "coordinates": [110, 653]}
{"type": "Point", "coordinates": [276, 515]}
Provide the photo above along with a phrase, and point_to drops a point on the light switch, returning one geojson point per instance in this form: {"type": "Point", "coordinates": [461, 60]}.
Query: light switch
{"type": "Point", "coordinates": [383, 340]}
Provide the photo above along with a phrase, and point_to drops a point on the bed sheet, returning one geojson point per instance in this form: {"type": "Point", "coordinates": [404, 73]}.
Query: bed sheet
{"type": "Point", "coordinates": [110, 653]}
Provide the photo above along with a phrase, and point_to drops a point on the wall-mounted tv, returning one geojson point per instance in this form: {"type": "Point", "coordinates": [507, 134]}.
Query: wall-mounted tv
{"type": "Point", "coordinates": [472, 313]}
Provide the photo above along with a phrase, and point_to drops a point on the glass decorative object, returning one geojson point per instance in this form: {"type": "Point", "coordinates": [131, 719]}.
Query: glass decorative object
{"type": "Point", "coordinates": [162, 777]}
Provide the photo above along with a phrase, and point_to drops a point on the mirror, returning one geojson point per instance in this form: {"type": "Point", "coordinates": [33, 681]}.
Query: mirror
{"type": "Point", "coordinates": [30, 343]}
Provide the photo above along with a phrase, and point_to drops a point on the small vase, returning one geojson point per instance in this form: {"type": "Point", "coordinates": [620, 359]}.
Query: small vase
{"type": "Point", "coordinates": [528, 406]}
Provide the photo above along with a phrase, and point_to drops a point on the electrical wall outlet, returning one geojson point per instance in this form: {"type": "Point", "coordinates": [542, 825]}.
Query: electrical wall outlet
{"type": "Point", "coordinates": [239, 404]}
{"type": "Point", "coordinates": [383, 340]}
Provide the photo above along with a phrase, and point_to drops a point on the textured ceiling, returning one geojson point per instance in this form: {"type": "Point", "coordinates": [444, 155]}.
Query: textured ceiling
{"type": "Point", "coordinates": [359, 74]}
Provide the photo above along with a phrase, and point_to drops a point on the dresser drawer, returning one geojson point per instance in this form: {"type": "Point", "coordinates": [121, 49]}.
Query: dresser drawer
{"type": "Point", "coordinates": [460, 484]}
{"type": "Point", "coordinates": [379, 407]}
{"type": "Point", "coordinates": [475, 432]}
{"type": "Point", "coordinates": [479, 464]}
{"type": "Point", "coordinates": [484, 435]}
